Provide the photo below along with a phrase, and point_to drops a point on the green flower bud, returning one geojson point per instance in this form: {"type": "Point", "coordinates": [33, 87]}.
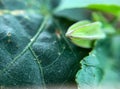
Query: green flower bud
{"type": "Point", "coordinates": [83, 33]}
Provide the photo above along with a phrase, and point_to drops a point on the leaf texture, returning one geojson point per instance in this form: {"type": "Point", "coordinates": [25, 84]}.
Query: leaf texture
{"type": "Point", "coordinates": [34, 51]}
{"type": "Point", "coordinates": [101, 68]}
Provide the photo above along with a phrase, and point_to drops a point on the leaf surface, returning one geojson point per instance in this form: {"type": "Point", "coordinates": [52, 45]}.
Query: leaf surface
{"type": "Point", "coordinates": [112, 6]}
{"type": "Point", "coordinates": [34, 51]}
{"type": "Point", "coordinates": [101, 67]}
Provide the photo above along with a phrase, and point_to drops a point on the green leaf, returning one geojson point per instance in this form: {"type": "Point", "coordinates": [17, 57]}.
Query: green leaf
{"type": "Point", "coordinates": [17, 61]}
{"type": "Point", "coordinates": [34, 52]}
{"type": "Point", "coordinates": [101, 67]}
{"type": "Point", "coordinates": [83, 33]}
{"type": "Point", "coordinates": [75, 14]}
{"type": "Point", "coordinates": [112, 6]}
{"type": "Point", "coordinates": [113, 9]}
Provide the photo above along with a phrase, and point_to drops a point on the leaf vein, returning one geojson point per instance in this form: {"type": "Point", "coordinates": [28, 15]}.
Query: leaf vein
{"type": "Point", "coordinates": [27, 47]}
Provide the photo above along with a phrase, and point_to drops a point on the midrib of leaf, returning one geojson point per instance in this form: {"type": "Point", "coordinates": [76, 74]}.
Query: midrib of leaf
{"type": "Point", "coordinates": [39, 64]}
{"type": "Point", "coordinates": [27, 47]}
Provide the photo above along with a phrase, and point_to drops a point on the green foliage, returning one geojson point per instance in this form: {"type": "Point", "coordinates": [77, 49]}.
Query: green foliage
{"type": "Point", "coordinates": [36, 54]}
{"type": "Point", "coordinates": [33, 48]}
{"type": "Point", "coordinates": [112, 6]}
{"type": "Point", "coordinates": [101, 67]}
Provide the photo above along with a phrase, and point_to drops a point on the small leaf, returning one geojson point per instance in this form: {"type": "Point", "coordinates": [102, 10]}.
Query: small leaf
{"type": "Point", "coordinates": [83, 33]}
{"type": "Point", "coordinates": [113, 9]}
{"type": "Point", "coordinates": [112, 6]}
{"type": "Point", "coordinates": [101, 68]}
